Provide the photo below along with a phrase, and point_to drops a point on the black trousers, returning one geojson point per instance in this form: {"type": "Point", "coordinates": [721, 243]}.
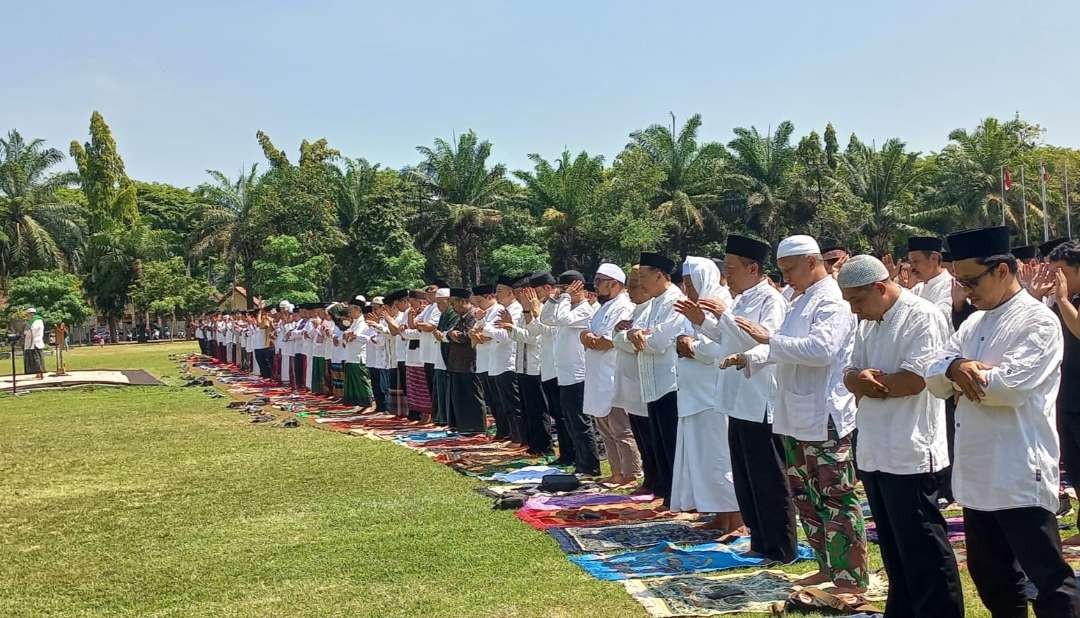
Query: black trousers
{"type": "Point", "coordinates": [491, 397]}
{"type": "Point", "coordinates": [1003, 546]}
{"type": "Point", "coordinates": [377, 389]}
{"type": "Point", "coordinates": [762, 489]}
{"type": "Point", "coordinates": [505, 400]}
{"type": "Point", "coordinates": [554, 408]}
{"type": "Point", "coordinates": [1068, 422]}
{"type": "Point", "coordinates": [945, 491]}
{"type": "Point", "coordinates": [466, 403]}
{"type": "Point", "coordinates": [534, 409]}
{"type": "Point", "coordinates": [264, 357]}
{"type": "Point", "coordinates": [202, 346]}
{"type": "Point", "coordinates": [401, 381]}
{"type": "Point", "coordinates": [581, 429]}
{"type": "Point", "coordinates": [664, 427]}
{"type": "Point", "coordinates": [639, 426]}
{"type": "Point", "coordinates": [923, 578]}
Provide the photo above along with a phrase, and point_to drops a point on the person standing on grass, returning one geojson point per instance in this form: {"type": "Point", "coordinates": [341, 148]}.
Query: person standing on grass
{"type": "Point", "coordinates": [571, 318]}
{"type": "Point", "coordinates": [539, 317]}
{"type": "Point", "coordinates": [1064, 289]}
{"type": "Point", "coordinates": [34, 344]}
{"type": "Point", "coordinates": [528, 361]}
{"type": "Point", "coordinates": [816, 414]}
{"type": "Point", "coordinates": [612, 421]}
{"type": "Point", "coordinates": [1005, 362]}
{"type": "Point", "coordinates": [466, 401]}
{"type": "Point", "coordinates": [441, 395]}
{"type": "Point", "coordinates": [902, 452]}
{"type": "Point", "coordinates": [503, 360]}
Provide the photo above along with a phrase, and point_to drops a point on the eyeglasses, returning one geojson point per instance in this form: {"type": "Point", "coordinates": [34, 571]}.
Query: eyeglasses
{"type": "Point", "coordinates": [971, 282]}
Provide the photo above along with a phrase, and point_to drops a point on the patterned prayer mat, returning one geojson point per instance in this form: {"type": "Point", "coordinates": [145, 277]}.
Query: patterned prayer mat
{"type": "Point", "coordinates": [591, 516]}
{"type": "Point", "coordinates": [576, 540]}
{"type": "Point", "coordinates": [697, 595]}
{"type": "Point", "coordinates": [670, 559]}
{"type": "Point", "coordinates": [555, 503]}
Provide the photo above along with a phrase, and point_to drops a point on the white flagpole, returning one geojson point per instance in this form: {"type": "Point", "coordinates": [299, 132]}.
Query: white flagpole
{"type": "Point", "coordinates": [1042, 199]}
{"type": "Point", "coordinates": [1023, 200]}
{"type": "Point", "coordinates": [1068, 204]}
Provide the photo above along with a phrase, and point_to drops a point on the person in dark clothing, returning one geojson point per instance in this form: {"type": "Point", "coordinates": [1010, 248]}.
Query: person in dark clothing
{"type": "Point", "coordinates": [466, 413]}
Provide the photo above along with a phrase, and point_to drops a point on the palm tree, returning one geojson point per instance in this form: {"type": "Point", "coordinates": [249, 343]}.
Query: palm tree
{"type": "Point", "coordinates": [227, 229]}
{"type": "Point", "coordinates": [561, 194]}
{"type": "Point", "coordinates": [968, 185]}
{"type": "Point", "coordinates": [462, 193]}
{"type": "Point", "coordinates": [36, 230]}
{"type": "Point", "coordinates": [692, 175]}
{"type": "Point", "coordinates": [761, 172]}
{"type": "Point", "coordinates": [886, 181]}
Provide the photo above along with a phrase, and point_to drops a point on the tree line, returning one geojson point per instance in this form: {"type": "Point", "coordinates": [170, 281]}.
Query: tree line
{"type": "Point", "coordinates": [322, 224]}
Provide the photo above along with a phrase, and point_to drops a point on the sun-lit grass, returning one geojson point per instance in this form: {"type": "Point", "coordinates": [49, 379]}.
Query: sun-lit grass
{"type": "Point", "coordinates": [159, 501]}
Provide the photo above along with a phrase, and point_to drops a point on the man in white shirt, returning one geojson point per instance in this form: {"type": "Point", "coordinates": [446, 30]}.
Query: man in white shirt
{"type": "Point", "coordinates": [433, 354]}
{"type": "Point", "coordinates": [538, 317]}
{"type": "Point", "coordinates": [653, 335]}
{"type": "Point", "coordinates": [486, 309]}
{"type": "Point", "coordinates": [527, 362]}
{"type": "Point", "coordinates": [34, 344]}
{"type": "Point", "coordinates": [901, 450]}
{"type": "Point", "coordinates": [571, 317]}
{"type": "Point", "coordinates": [1005, 363]}
{"type": "Point", "coordinates": [381, 367]}
{"type": "Point", "coordinates": [612, 422]}
{"type": "Point", "coordinates": [935, 285]}
{"type": "Point", "coordinates": [816, 414]}
{"type": "Point", "coordinates": [748, 394]}
{"type": "Point", "coordinates": [502, 361]}
{"type": "Point", "coordinates": [354, 341]}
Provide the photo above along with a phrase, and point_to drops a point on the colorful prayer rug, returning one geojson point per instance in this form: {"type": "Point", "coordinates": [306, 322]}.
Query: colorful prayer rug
{"type": "Point", "coordinates": [666, 559]}
{"type": "Point", "coordinates": [591, 516]}
{"type": "Point", "coordinates": [697, 595]}
{"type": "Point", "coordinates": [631, 536]}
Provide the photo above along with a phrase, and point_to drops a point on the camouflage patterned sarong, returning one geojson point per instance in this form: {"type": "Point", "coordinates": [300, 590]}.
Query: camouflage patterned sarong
{"type": "Point", "coordinates": [822, 477]}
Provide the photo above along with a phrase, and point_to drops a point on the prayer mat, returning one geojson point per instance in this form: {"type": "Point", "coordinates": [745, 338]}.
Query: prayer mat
{"type": "Point", "coordinates": [670, 559]}
{"type": "Point", "coordinates": [954, 527]}
{"type": "Point", "coordinates": [697, 595]}
{"type": "Point", "coordinates": [527, 474]}
{"type": "Point", "coordinates": [555, 503]}
{"type": "Point", "coordinates": [591, 516]}
{"type": "Point", "coordinates": [631, 536]}
{"type": "Point", "coordinates": [424, 436]}
{"type": "Point", "coordinates": [533, 489]}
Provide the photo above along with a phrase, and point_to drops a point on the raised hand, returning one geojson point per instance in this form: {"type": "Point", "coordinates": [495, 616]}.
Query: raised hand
{"type": "Point", "coordinates": [714, 306]}
{"type": "Point", "coordinates": [691, 310]}
{"type": "Point", "coordinates": [970, 377]}
{"type": "Point", "coordinates": [737, 361]}
{"type": "Point", "coordinates": [684, 346]}
{"type": "Point", "coordinates": [891, 266]}
{"type": "Point", "coordinates": [575, 288]}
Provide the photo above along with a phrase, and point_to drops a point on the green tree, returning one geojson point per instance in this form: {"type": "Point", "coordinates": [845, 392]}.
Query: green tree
{"type": "Point", "coordinates": [56, 295]}
{"type": "Point", "coordinates": [286, 272]}
{"type": "Point", "coordinates": [832, 148]}
{"type": "Point", "coordinates": [111, 197]}
{"type": "Point", "coordinates": [887, 181]}
{"type": "Point", "coordinates": [38, 229]}
{"type": "Point", "coordinates": [173, 211]}
{"type": "Point", "coordinates": [371, 218]}
{"type": "Point", "coordinates": [298, 200]}
{"type": "Point", "coordinates": [692, 176]}
{"type": "Point", "coordinates": [623, 222]}
{"type": "Point", "coordinates": [115, 261]}
{"type": "Point", "coordinates": [402, 271]}
{"type": "Point", "coordinates": [163, 288]}
{"type": "Point", "coordinates": [227, 228]}
{"type": "Point", "coordinates": [460, 192]}
{"type": "Point", "coordinates": [561, 194]}
{"type": "Point", "coordinates": [762, 166]}
{"type": "Point", "coordinates": [514, 260]}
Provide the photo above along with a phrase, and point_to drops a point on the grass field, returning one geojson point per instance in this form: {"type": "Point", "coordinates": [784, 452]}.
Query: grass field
{"type": "Point", "coordinates": [158, 501]}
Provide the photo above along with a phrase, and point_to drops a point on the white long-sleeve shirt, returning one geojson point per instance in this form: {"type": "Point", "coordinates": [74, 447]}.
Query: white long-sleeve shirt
{"type": "Point", "coordinates": [429, 346]}
{"type": "Point", "coordinates": [657, 362]}
{"type": "Point", "coordinates": [484, 350]}
{"type": "Point", "coordinates": [1006, 452]}
{"type": "Point", "coordinates": [748, 394]}
{"type": "Point", "coordinates": [503, 353]}
{"type": "Point", "coordinates": [356, 350]}
{"type": "Point", "coordinates": [600, 364]}
{"type": "Point", "coordinates": [34, 336]}
{"type": "Point", "coordinates": [627, 380]}
{"type": "Point", "coordinates": [902, 435]}
{"type": "Point", "coordinates": [529, 357]}
{"type": "Point", "coordinates": [544, 327]}
{"type": "Point", "coordinates": [938, 290]}
{"type": "Point", "coordinates": [569, 321]}
{"type": "Point", "coordinates": [378, 345]}
{"type": "Point", "coordinates": [811, 351]}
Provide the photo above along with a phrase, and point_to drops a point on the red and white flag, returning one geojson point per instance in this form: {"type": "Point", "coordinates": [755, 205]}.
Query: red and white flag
{"type": "Point", "coordinates": [1008, 180]}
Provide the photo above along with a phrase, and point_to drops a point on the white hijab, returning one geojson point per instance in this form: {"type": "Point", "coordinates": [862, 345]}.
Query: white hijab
{"type": "Point", "coordinates": [705, 276]}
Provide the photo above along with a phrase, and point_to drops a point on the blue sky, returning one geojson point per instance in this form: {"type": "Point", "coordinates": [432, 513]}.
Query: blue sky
{"type": "Point", "coordinates": [185, 85]}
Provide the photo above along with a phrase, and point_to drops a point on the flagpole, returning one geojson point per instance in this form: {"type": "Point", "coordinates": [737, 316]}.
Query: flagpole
{"type": "Point", "coordinates": [1042, 200]}
{"type": "Point", "coordinates": [1023, 200]}
{"type": "Point", "coordinates": [1068, 205]}
{"type": "Point", "coordinates": [1002, 172]}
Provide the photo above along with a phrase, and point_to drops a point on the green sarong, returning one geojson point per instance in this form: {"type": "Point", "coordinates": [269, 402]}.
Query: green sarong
{"type": "Point", "coordinates": [318, 374]}
{"type": "Point", "coordinates": [357, 385]}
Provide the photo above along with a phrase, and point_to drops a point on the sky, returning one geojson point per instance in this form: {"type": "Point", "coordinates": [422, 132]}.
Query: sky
{"type": "Point", "coordinates": [185, 85]}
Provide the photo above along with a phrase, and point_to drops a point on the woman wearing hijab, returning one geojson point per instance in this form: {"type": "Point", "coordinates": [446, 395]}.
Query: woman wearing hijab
{"type": "Point", "coordinates": [703, 479]}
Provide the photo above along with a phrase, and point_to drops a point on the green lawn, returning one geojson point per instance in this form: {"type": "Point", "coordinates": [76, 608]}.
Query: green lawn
{"type": "Point", "coordinates": [159, 501]}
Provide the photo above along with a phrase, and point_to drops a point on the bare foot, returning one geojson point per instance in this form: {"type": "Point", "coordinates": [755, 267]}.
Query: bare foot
{"type": "Point", "coordinates": [1072, 540]}
{"type": "Point", "coordinates": [813, 579]}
